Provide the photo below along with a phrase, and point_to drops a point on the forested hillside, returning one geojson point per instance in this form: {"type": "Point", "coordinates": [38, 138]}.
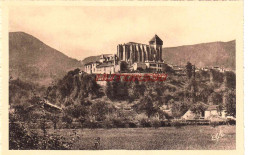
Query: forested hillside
{"type": "Point", "coordinates": [222, 54]}
{"type": "Point", "coordinates": [32, 60]}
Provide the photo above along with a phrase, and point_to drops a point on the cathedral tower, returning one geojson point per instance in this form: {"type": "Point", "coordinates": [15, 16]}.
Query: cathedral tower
{"type": "Point", "coordinates": [157, 43]}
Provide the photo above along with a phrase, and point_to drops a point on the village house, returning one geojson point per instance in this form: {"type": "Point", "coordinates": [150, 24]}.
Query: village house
{"type": "Point", "coordinates": [211, 111]}
{"type": "Point", "coordinates": [108, 64]}
{"type": "Point", "coordinates": [189, 115]}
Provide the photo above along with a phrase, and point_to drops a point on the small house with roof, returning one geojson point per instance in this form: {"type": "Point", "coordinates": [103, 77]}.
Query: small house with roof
{"type": "Point", "coordinates": [213, 110]}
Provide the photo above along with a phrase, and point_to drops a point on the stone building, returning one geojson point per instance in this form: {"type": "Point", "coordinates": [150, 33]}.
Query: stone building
{"type": "Point", "coordinates": [108, 64]}
{"type": "Point", "coordinates": [142, 56]}
{"type": "Point", "coordinates": [134, 55]}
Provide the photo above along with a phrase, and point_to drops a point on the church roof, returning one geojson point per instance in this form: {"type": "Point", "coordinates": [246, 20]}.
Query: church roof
{"type": "Point", "coordinates": [134, 43]}
{"type": "Point", "coordinates": [156, 40]}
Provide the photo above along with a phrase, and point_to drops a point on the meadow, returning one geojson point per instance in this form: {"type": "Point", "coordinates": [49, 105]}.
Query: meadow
{"type": "Point", "coordinates": [163, 138]}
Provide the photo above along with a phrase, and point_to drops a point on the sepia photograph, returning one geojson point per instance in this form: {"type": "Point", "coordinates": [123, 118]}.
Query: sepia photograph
{"type": "Point", "coordinates": [124, 77]}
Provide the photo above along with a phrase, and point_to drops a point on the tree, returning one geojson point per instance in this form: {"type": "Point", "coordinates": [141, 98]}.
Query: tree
{"type": "Point", "coordinates": [115, 86]}
{"type": "Point", "coordinates": [217, 76]}
{"type": "Point", "coordinates": [67, 119]}
{"type": "Point", "coordinates": [22, 138]}
{"type": "Point", "coordinates": [203, 75]}
{"type": "Point", "coordinates": [204, 94]}
{"type": "Point", "coordinates": [123, 66]}
{"type": "Point", "coordinates": [55, 119]}
{"type": "Point", "coordinates": [231, 103]}
{"type": "Point", "coordinates": [138, 89]}
{"type": "Point", "coordinates": [189, 70]}
{"type": "Point", "coordinates": [72, 87]}
{"type": "Point", "coordinates": [109, 90]}
{"type": "Point", "coordinates": [217, 98]}
{"type": "Point", "coordinates": [178, 108]}
{"type": "Point", "coordinates": [198, 108]}
{"type": "Point", "coordinates": [99, 110]}
{"type": "Point", "coordinates": [123, 90]}
{"type": "Point", "coordinates": [230, 80]}
{"type": "Point", "coordinates": [147, 104]}
{"type": "Point", "coordinates": [82, 120]}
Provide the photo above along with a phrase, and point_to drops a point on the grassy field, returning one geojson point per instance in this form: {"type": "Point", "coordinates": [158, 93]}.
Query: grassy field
{"type": "Point", "coordinates": [164, 138]}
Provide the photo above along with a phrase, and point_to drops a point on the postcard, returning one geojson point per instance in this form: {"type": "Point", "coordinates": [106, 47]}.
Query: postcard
{"type": "Point", "coordinates": [143, 77]}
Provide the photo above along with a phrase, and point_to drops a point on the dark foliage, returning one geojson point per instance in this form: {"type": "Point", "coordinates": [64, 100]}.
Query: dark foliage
{"type": "Point", "coordinates": [20, 138]}
{"type": "Point", "coordinates": [230, 80]}
{"type": "Point", "coordinates": [189, 70]}
{"type": "Point", "coordinates": [74, 87]}
{"type": "Point", "coordinates": [177, 124]}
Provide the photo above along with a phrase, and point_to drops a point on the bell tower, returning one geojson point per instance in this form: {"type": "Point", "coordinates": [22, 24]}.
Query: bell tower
{"type": "Point", "coordinates": [157, 43]}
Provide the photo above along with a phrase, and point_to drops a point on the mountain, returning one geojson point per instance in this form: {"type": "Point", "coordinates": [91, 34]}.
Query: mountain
{"type": "Point", "coordinates": [90, 59]}
{"type": "Point", "coordinates": [222, 54]}
{"type": "Point", "coordinates": [32, 60]}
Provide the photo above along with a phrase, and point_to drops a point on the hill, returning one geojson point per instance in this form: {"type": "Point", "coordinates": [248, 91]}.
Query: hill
{"type": "Point", "coordinates": [92, 59]}
{"type": "Point", "coordinates": [222, 54]}
{"type": "Point", "coordinates": [32, 60]}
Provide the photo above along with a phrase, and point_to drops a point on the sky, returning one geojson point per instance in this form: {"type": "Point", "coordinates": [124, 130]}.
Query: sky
{"type": "Point", "coordinates": [80, 32]}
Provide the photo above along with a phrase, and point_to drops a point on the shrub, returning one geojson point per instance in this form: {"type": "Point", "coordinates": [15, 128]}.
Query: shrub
{"type": "Point", "coordinates": [216, 120]}
{"type": "Point", "coordinates": [93, 124]}
{"type": "Point", "coordinates": [132, 125]}
{"type": "Point", "coordinates": [145, 123]}
{"type": "Point", "coordinates": [155, 123]}
{"type": "Point", "coordinates": [139, 117]}
{"type": "Point", "coordinates": [20, 138]}
{"type": "Point", "coordinates": [168, 123]}
{"type": "Point", "coordinates": [107, 124]}
{"type": "Point", "coordinates": [177, 124]}
{"type": "Point", "coordinates": [118, 123]}
{"type": "Point", "coordinates": [231, 122]}
{"type": "Point", "coordinates": [214, 123]}
{"type": "Point", "coordinates": [162, 123]}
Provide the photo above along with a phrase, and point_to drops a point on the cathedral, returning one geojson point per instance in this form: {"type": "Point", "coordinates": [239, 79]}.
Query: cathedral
{"type": "Point", "coordinates": [134, 56]}
{"type": "Point", "coordinates": [135, 52]}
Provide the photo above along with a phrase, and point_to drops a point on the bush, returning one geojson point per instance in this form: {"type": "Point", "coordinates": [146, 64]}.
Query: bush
{"type": "Point", "coordinates": [168, 124]}
{"type": "Point", "coordinates": [162, 123]}
{"type": "Point", "coordinates": [20, 138]}
{"type": "Point", "coordinates": [214, 123]}
{"type": "Point", "coordinates": [145, 123]}
{"type": "Point", "coordinates": [156, 123]}
{"type": "Point", "coordinates": [132, 125]}
{"type": "Point", "coordinates": [177, 124]}
{"type": "Point", "coordinates": [231, 122]}
{"type": "Point", "coordinates": [93, 124]}
{"type": "Point", "coordinates": [107, 124]}
{"type": "Point", "coordinates": [118, 123]}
